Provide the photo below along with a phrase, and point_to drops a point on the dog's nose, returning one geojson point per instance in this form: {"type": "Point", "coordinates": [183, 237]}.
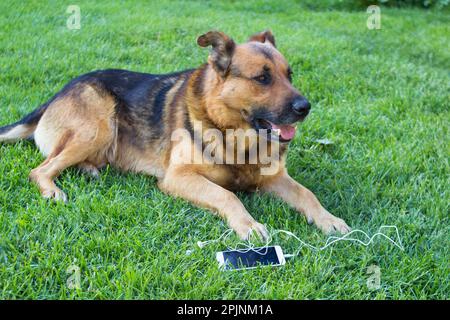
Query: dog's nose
{"type": "Point", "coordinates": [301, 105]}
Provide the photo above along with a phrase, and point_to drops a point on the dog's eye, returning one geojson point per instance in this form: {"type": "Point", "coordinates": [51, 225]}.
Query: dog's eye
{"type": "Point", "coordinates": [263, 78]}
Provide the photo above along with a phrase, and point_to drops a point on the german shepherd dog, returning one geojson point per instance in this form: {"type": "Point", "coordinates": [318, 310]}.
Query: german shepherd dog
{"type": "Point", "coordinates": [126, 119]}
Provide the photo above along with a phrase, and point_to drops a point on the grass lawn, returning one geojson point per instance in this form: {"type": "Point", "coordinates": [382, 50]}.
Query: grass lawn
{"type": "Point", "coordinates": [381, 97]}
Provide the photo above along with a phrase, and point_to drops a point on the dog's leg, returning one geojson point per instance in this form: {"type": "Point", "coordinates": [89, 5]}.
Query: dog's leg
{"type": "Point", "coordinates": [202, 192]}
{"type": "Point", "coordinates": [69, 152]}
{"type": "Point", "coordinates": [305, 202]}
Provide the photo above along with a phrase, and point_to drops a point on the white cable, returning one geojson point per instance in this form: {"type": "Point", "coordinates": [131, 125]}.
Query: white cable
{"type": "Point", "coordinates": [249, 246]}
{"type": "Point", "coordinates": [201, 244]}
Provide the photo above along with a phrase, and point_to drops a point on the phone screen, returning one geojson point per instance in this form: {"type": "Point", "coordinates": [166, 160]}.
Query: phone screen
{"type": "Point", "coordinates": [251, 258]}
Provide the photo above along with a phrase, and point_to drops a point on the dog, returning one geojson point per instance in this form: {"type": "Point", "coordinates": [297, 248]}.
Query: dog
{"type": "Point", "coordinates": [127, 119]}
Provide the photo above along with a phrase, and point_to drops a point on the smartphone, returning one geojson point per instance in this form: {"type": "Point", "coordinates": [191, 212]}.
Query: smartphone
{"type": "Point", "coordinates": [249, 259]}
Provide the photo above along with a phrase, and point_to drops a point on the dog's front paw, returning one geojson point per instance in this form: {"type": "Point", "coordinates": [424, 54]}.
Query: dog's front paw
{"type": "Point", "coordinates": [328, 223]}
{"type": "Point", "coordinates": [248, 226]}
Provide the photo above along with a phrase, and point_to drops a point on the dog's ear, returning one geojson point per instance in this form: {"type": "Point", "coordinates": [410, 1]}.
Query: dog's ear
{"type": "Point", "coordinates": [263, 37]}
{"type": "Point", "coordinates": [222, 49]}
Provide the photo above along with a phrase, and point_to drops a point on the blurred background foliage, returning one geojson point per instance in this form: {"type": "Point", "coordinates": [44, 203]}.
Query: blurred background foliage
{"type": "Point", "coordinates": [358, 4]}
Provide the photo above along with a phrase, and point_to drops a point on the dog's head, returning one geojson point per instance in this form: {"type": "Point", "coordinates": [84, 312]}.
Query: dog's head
{"type": "Point", "coordinates": [254, 82]}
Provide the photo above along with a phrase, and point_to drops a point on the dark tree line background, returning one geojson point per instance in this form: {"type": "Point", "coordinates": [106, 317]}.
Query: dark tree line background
{"type": "Point", "coordinates": [358, 4]}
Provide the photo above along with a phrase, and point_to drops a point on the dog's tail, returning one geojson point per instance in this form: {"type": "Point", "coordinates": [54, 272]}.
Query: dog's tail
{"type": "Point", "coordinates": [23, 128]}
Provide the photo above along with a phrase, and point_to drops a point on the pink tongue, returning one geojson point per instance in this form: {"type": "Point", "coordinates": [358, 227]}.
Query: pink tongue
{"type": "Point", "coordinates": [287, 132]}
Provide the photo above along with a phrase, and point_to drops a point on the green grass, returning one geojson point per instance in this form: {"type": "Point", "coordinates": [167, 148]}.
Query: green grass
{"type": "Point", "coordinates": [381, 97]}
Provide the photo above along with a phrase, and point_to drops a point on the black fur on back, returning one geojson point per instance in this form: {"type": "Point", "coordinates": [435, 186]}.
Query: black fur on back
{"type": "Point", "coordinates": [140, 97]}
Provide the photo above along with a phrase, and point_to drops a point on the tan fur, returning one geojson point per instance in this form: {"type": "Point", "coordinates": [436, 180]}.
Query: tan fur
{"type": "Point", "coordinates": [17, 133]}
{"type": "Point", "coordinates": [70, 137]}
